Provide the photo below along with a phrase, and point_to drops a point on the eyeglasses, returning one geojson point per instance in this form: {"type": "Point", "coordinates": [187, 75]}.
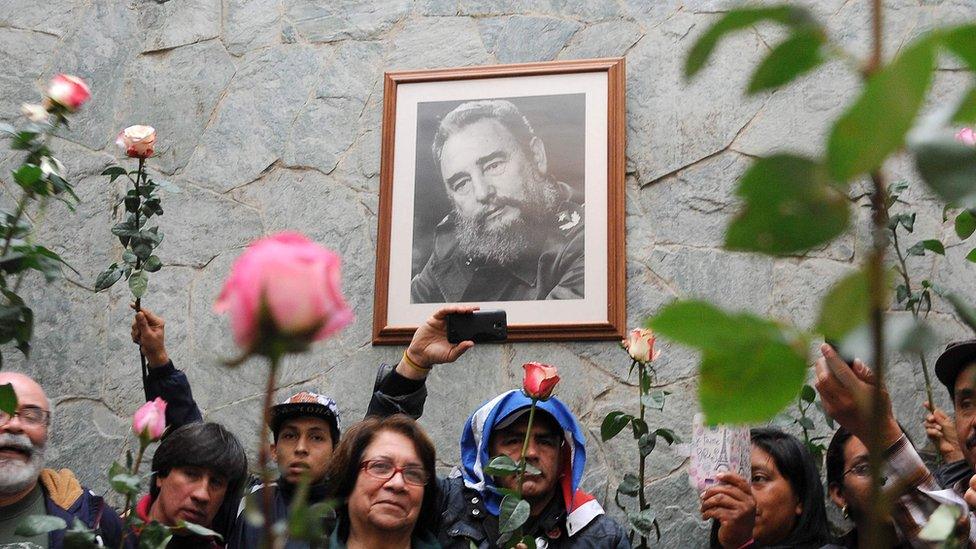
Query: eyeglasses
{"type": "Point", "coordinates": [384, 470]}
{"type": "Point", "coordinates": [863, 470]}
{"type": "Point", "coordinates": [28, 414]}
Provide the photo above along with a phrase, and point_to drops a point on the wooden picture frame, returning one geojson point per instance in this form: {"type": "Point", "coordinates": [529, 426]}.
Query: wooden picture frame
{"type": "Point", "coordinates": [529, 216]}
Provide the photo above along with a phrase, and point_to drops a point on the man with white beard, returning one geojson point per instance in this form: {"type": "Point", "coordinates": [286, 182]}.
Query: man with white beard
{"type": "Point", "coordinates": [26, 488]}
{"type": "Point", "coordinates": [515, 233]}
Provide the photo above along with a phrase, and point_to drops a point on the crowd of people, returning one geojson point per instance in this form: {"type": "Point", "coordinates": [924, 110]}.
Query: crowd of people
{"type": "Point", "coordinates": [381, 471]}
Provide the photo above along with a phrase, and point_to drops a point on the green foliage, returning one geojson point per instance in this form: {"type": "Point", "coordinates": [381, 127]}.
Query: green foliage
{"type": "Point", "coordinates": [965, 224]}
{"type": "Point", "coordinates": [738, 19]}
{"type": "Point", "coordinates": [790, 207]}
{"type": "Point", "coordinates": [751, 368]}
{"type": "Point", "coordinates": [142, 203]}
{"type": "Point", "coordinates": [947, 167]}
{"type": "Point", "coordinates": [798, 54]}
{"type": "Point", "coordinates": [39, 177]}
{"type": "Point", "coordinates": [613, 423]}
{"type": "Point", "coordinates": [199, 530]}
{"type": "Point", "coordinates": [876, 124]}
{"type": "Point", "coordinates": [35, 525]}
{"type": "Point", "coordinates": [512, 514]}
{"type": "Point", "coordinates": [645, 523]}
{"type": "Point", "coordinates": [154, 536]}
{"type": "Point", "coordinates": [845, 307]}
{"type": "Point", "coordinates": [8, 398]}
{"type": "Point", "coordinates": [932, 245]}
{"type": "Point", "coordinates": [501, 466]}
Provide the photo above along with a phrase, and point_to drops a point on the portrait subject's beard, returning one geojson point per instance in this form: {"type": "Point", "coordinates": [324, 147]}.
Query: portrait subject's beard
{"type": "Point", "coordinates": [505, 243]}
{"type": "Point", "coordinates": [15, 475]}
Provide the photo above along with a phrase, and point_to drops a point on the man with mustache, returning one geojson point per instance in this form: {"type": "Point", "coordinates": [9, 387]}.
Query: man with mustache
{"type": "Point", "coordinates": [561, 516]}
{"type": "Point", "coordinates": [26, 488]}
{"type": "Point", "coordinates": [515, 233]}
{"type": "Point", "coordinates": [956, 369]}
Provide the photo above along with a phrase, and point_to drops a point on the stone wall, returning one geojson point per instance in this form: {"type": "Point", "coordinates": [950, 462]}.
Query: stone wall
{"type": "Point", "coordinates": [269, 112]}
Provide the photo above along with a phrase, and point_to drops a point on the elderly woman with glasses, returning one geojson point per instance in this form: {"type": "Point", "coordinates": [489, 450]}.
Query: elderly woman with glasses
{"type": "Point", "coordinates": [382, 475]}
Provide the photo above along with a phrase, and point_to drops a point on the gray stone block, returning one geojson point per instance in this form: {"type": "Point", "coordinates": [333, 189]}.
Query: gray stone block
{"type": "Point", "coordinates": [171, 25]}
{"type": "Point", "coordinates": [345, 19]}
{"type": "Point", "coordinates": [250, 24]}
{"type": "Point", "coordinates": [522, 39]}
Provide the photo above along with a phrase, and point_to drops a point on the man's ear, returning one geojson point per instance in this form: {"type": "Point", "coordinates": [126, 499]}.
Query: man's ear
{"type": "Point", "coordinates": [274, 451]}
{"type": "Point", "coordinates": [538, 149]}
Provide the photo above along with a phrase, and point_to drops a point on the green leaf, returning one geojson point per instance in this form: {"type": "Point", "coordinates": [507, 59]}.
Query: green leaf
{"type": "Point", "coordinates": [965, 224]}
{"type": "Point", "coordinates": [125, 484]}
{"type": "Point", "coordinates": [962, 42]}
{"type": "Point", "coordinates": [154, 536]}
{"type": "Point", "coordinates": [107, 278]}
{"type": "Point", "coordinates": [153, 264]}
{"type": "Point", "coordinates": [965, 311]}
{"type": "Point", "coordinates": [36, 525]}
{"type": "Point", "coordinates": [642, 522]}
{"type": "Point", "coordinates": [971, 256]}
{"type": "Point", "coordinates": [790, 207]}
{"type": "Point", "coordinates": [8, 398]}
{"type": "Point", "coordinates": [941, 524]}
{"type": "Point", "coordinates": [735, 20]}
{"type": "Point", "coordinates": [845, 307]}
{"type": "Point", "coordinates": [751, 368]}
{"type": "Point", "coordinates": [613, 423]}
{"type": "Point", "coordinates": [639, 426]}
{"type": "Point", "coordinates": [501, 466]}
{"type": "Point", "coordinates": [806, 423]}
{"type": "Point", "coordinates": [808, 394]}
{"type": "Point", "coordinates": [512, 514]}
{"type": "Point", "coordinates": [27, 176]}
{"type": "Point", "coordinates": [630, 485]}
{"type": "Point", "coordinates": [931, 245]}
{"type": "Point", "coordinates": [668, 435]}
{"type": "Point", "coordinates": [798, 54]}
{"type": "Point", "coordinates": [947, 166]}
{"type": "Point", "coordinates": [655, 400]}
{"type": "Point", "coordinates": [198, 530]}
{"type": "Point", "coordinates": [646, 444]}
{"type": "Point", "coordinates": [117, 469]}
{"type": "Point", "coordinates": [876, 124]}
{"type": "Point", "coordinates": [138, 282]}
{"type": "Point", "coordinates": [114, 172]}
{"type": "Point", "coordinates": [966, 111]}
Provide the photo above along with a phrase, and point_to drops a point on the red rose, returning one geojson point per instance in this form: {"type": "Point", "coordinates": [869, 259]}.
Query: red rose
{"type": "Point", "coordinates": [540, 380]}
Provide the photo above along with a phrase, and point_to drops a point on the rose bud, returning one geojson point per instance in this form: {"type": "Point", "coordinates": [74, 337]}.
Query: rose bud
{"type": "Point", "coordinates": [540, 380]}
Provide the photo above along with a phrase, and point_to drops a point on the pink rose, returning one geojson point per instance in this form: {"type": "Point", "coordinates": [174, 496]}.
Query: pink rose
{"type": "Point", "coordinates": [640, 345]}
{"type": "Point", "coordinates": [68, 91]}
{"type": "Point", "coordinates": [137, 141]}
{"type": "Point", "coordinates": [288, 284]}
{"type": "Point", "coordinates": [150, 420]}
{"type": "Point", "coordinates": [540, 380]}
{"type": "Point", "coordinates": [967, 136]}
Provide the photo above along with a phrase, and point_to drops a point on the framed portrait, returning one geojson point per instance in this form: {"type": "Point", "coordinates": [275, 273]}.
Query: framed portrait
{"type": "Point", "coordinates": [503, 187]}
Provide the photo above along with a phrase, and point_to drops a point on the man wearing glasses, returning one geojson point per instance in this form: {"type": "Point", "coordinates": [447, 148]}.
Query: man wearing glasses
{"type": "Point", "coordinates": [26, 488]}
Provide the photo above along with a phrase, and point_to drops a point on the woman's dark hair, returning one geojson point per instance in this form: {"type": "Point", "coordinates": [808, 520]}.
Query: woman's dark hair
{"type": "Point", "coordinates": [208, 446]}
{"type": "Point", "coordinates": [344, 467]}
{"type": "Point", "coordinates": [797, 466]}
{"type": "Point", "coordinates": [835, 455]}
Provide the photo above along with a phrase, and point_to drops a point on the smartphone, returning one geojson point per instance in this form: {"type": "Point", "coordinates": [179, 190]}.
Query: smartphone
{"type": "Point", "coordinates": [479, 326]}
{"type": "Point", "coordinates": [836, 346]}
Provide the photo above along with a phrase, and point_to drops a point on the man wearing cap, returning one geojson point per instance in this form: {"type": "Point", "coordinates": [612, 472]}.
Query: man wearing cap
{"type": "Point", "coordinates": [561, 515]}
{"type": "Point", "coordinates": [845, 388]}
{"type": "Point", "coordinates": [956, 369]}
{"type": "Point", "coordinates": [305, 426]}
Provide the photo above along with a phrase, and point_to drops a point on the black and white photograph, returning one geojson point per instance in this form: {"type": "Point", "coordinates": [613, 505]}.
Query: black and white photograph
{"type": "Point", "coordinates": [501, 183]}
{"type": "Point", "coordinates": [498, 189]}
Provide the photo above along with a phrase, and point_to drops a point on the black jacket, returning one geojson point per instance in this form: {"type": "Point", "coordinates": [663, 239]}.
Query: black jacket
{"type": "Point", "coordinates": [466, 523]}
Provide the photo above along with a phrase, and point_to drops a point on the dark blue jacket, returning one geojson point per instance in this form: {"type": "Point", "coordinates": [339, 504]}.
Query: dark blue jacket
{"type": "Point", "coordinates": [67, 499]}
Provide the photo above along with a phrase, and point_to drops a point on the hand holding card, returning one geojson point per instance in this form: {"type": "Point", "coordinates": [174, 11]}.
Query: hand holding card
{"type": "Point", "coordinates": [717, 449]}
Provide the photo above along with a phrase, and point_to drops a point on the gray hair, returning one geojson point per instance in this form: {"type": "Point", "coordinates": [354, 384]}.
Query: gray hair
{"type": "Point", "coordinates": [468, 113]}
